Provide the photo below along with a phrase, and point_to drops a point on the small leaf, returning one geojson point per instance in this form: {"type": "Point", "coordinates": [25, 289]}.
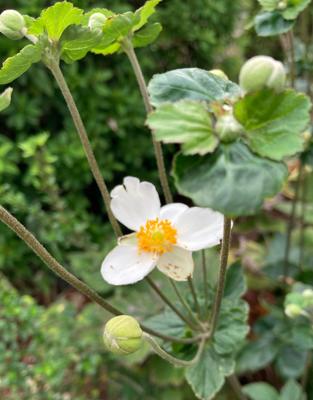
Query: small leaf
{"type": "Point", "coordinates": [271, 24]}
{"type": "Point", "coordinates": [260, 391]}
{"type": "Point", "coordinates": [186, 122]}
{"type": "Point", "coordinates": [192, 84]}
{"type": "Point", "coordinates": [292, 11]}
{"type": "Point", "coordinates": [5, 99]}
{"type": "Point", "coordinates": [232, 180]}
{"type": "Point", "coordinates": [145, 13]}
{"type": "Point", "coordinates": [168, 323]}
{"type": "Point", "coordinates": [208, 376]}
{"type": "Point", "coordinates": [290, 362]}
{"type": "Point", "coordinates": [292, 391]}
{"type": "Point", "coordinates": [274, 122]}
{"type": "Point", "coordinates": [147, 35]}
{"type": "Point", "coordinates": [55, 19]}
{"type": "Point", "coordinates": [15, 66]}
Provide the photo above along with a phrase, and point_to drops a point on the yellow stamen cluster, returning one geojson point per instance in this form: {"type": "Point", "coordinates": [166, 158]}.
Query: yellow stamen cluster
{"type": "Point", "coordinates": [157, 236]}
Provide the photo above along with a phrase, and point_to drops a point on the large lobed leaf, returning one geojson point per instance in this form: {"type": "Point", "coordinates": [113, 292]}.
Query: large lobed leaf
{"type": "Point", "coordinates": [271, 24]}
{"type": "Point", "coordinates": [232, 180]}
{"type": "Point", "coordinates": [186, 122]}
{"type": "Point", "coordinates": [274, 122]}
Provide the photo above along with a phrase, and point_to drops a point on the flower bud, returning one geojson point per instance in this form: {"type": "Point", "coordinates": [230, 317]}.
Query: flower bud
{"type": "Point", "coordinates": [122, 335]}
{"type": "Point", "coordinates": [308, 294]}
{"type": "Point", "coordinates": [228, 128]}
{"type": "Point", "coordinates": [293, 310]}
{"type": "Point", "coordinates": [260, 72]}
{"type": "Point", "coordinates": [96, 21]}
{"type": "Point", "coordinates": [5, 99]}
{"type": "Point", "coordinates": [282, 5]}
{"type": "Point", "coordinates": [11, 24]}
{"type": "Point", "coordinates": [219, 73]}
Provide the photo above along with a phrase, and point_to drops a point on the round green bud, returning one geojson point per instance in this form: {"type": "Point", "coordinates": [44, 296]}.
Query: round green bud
{"type": "Point", "coordinates": [293, 310]}
{"type": "Point", "coordinates": [122, 335]}
{"type": "Point", "coordinates": [228, 128]}
{"type": "Point", "coordinates": [260, 72]}
{"type": "Point", "coordinates": [219, 73]}
{"type": "Point", "coordinates": [282, 5]}
{"type": "Point", "coordinates": [96, 21]}
{"type": "Point", "coordinates": [11, 24]}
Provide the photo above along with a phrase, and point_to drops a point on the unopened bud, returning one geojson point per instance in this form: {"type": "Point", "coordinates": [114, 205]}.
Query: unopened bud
{"type": "Point", "coordinates": [12, 24]}
{"type": "Point", "coordinates": [122, 335]}
{"type": "Point", "coordinates": [260, 72]}
{"type": "Point", "coordinates": [5, 99]}
{"type": "Point", "coordinates": [96, 21]}
{"type": "Point", "coordinates": [293, 310]}
{"type": "Point", "coordinates": [282, 5]}
{"type": "Point", "coordinates": [228, 128]}
{"type": "Point", "coordinates": [308, 294]}
{"type": "Point", "coordinates": [219, 73]}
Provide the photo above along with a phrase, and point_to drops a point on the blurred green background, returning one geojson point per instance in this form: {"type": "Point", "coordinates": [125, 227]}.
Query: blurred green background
{"type": "Point", "coordinates": [50, 345]}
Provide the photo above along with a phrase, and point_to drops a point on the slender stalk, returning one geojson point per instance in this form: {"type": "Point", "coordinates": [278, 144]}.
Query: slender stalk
{"type": "Point", "coordinates": [291, 221]}
{"type": "Point", "coordinates": [292, 58]}
{"type": "Point", "coordinates": [236, 386]}
{"type": "Point", "coordinates": [81, 130]}
{"type": "Point", "coordinates": [306, 373]}
{"type": "Point", "coordinates": [168, 357]}
{"type": "Point", "coordinates": [184, 302]}
{"type": "Point", "coordinates": [222, 275]}
{"type": "Point", "coordinates": [30, 240]}
{"type": "Point", "coordinates": [194, 295]}
{"type": "Point", "coordinates": [169, 303]}
{"type": "Point", "coordinates": [205, 284]}
{"type": "Point", "coordinates": [130, 52]}
{"type": "Point", "coordinates": [302, 221]}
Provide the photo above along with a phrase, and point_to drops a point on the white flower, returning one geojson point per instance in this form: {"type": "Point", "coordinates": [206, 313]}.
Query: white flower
{"type": "Point", "coordinates": [164, 237]}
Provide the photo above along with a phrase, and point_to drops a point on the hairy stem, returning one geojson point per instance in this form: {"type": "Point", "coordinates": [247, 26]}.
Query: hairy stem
{"type": "Point", "coordinates": [302, 221]}
{"type": "Point", "coordinates": [205, 284]}
{"type": "Point", "coordinates": [130, 52]}
{"type": "Point", "coordinates": [236, 386]}
{"type": "Point", "coordinates": [81, 130]}
{"type": "Point", "coordinates": [168, 357]}
{"type": "Point", "coordinates": [194, 295]}
{"type": "Point", "coordinates": [222, 275]}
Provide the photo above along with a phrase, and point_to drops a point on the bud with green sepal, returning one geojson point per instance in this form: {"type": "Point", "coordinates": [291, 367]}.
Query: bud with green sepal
{"type": "Point", "coordinates": [12, 24]}
{"type": "Point", "coordinates": [262, 72]}
{"type": "Point", "coordinates": [228, 128]}
{"type": "Point", "coordinates": [293, 311]}
{"type": "Point", "coordinates": [122, 335]}
{"type": "Point", "coordinates": [96, 21]}
{"type": "Point", "coordinates": [219, 73]}
{"type": "Point", "coordinates": [5, 99]}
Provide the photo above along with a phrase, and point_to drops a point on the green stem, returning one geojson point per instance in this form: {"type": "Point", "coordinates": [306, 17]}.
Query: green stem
{"type": "Point", "coordinates": [291, 221]}
{"type": "Point", "coordinates": [184, 302]}
{"type": "Point", "coordinates": [302, 221]}
{"type": "Point", "coordinates": [173, 360]}
{"type": "Point", "coordinates": [205, 284]}
{"type": "Point", "coordinates": [194, 295]}
{"type": "Point", "coordinates": [79, 125]}
{"type": "Point", "coordinates": [222, 275]}
{"type": "Point", "coordinates": [236, 386]}
{"type": "Point", "coordinates": [306, 373]}
{"type": "Point", "coordinates": [169, 303]}
{"type": "Point", "coordinates": [130, 52]}
{"type": "Point", "coordinates": [292, 58]}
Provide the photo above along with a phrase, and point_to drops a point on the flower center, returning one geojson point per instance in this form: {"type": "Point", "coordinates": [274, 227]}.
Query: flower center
{"type": "Point", "coordinates": [157, 236]}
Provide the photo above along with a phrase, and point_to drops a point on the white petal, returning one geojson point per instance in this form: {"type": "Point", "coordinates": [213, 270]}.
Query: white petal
{"type": "Point", "coordinates": [135, 203]}
{"type": "Point", "coordinates": [199, 228]}
{"type": "Point", "coordinates": [172, 211]}
{"type": "Point", "coordinates": [128, 240]}
{"type": "Point", "coordinates": [177, 264]}
{"type": "Point", "coordinates": [124, 265]}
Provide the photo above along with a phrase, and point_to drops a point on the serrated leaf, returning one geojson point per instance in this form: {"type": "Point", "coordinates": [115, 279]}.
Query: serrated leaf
{"type": "Point", "coordinates": [260, 391]}
{"type": "Point", "coordinates": [17, 65]}
{"type": "Point", "coordinates": [168, 323]}
{"type": "Point", "coordinates": [191, 84]}
{"type": "Point", "coordinates": [274, 122]}
{"type": "Point", "coordinates": [146, 35]}
{"type": "Point", "coordinates": [5, 99]}
{"type": "Point", "coordinates": [186, 122]}
{"type": "Point", "coordinates": [292, 11]}
{"type": "Point", "coordinates": [232, 180]}
{"type": "Point", "coordinates": [271, 24]}
{"type": "Point", "coordinates": [208, 376]}
{"type": "Point", "coordinates": [55, 19]}
{"type": "Point", "coordinates": [292, 391]}
{"type": "Point", "coordinates": [77, 41]}
{"type": "Point", "coordinates": [145, 13]}
{"type": "Point", "coordinates": [290, 362]}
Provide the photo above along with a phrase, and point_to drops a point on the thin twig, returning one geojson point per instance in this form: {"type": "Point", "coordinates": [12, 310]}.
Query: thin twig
{"type": "Point", "coordinates": [205, 284]}
{"type": "Point", "coordinates": [194, 295]}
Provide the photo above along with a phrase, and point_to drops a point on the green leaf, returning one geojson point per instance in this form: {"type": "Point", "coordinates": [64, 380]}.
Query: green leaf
{"type": "Point", "coordinates": [147, 35]}
{"type": "Point", "coordinates": [274, 122]}
{"type": "Point", "coordinates": [15, 66]}
{"type": "Point", "coordinates": [192, 84]}
{"type": "Point", "coordinates": [208, 376]}
{"type": "Point", "coordinates": [77, 41]}
{"type": "Point", "coordinates": [168, 323]}
{"type": "Point", "coordinates": [232, 180]}
{"type": "Point", "coordinates": [271, 24]}
{"type": "Point", "coordinates": [291, 361]}
{"type": "Point", "coordinates": [235, 284]}
{"type": "Point", "coordinates": [186, 122]}
{"type": "Point", "coordinates": [55, 19]}
{"type": "Point", "coordinates": [292, 391]}
{"type": "Point", "coordinates": [292, 11]}
{"type": "Point", "coordinates": [145, 13]}
{"type": "Point", "coordinates": [260, 391]}
{"type": "Point", "coordinates": [5, 99]}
